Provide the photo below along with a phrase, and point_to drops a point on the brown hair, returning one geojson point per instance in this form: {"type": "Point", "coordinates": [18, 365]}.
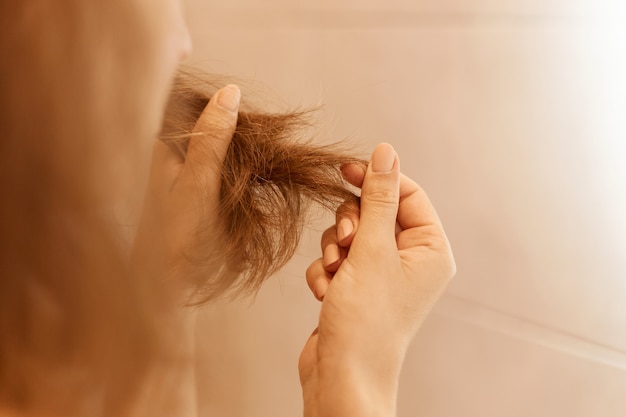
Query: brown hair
{"type": "Point", "coordinates": [79, 332]}
{"type": "Point", "coordinates": [271, 175]}
{"type": "Point", "coordinates": [76, 328]}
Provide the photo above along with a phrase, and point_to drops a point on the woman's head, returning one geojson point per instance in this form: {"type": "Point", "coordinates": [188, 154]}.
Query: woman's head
{"type": "Point", "coordinates": [88, 67]}
{"type": "Point", "coordinates": [82, 90]}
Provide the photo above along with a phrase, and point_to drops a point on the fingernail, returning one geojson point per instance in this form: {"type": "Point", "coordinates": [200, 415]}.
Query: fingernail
{"type": "Point", "coordinates": [229, 98]}
{"type": "Point", "coordinates": [383, 158]}
{"type": "Point", "coordinates": [344, 228]}
{"type": "Point", "coordinates": [321, 287]}
{"type": "Point", "coordinates": [331, 254]}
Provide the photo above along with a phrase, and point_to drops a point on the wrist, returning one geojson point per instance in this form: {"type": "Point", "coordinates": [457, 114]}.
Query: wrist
{"type": "Point", "coordinates": [349, 389]}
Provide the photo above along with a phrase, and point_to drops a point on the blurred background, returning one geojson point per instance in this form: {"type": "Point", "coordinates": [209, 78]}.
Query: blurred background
{"type": "Point", "coordinates": [512, 115]}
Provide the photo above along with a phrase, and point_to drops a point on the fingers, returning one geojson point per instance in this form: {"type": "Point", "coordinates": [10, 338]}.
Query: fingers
{"type": "Point", "coordinates": [354, 173]}
{"type": "Point", "coordinates": [318, 279]}
{"type": "Point", "coordinates": [213, 132]}
{"type": "Point", "coordinates": [332, 253]}
{"type": "Point", "coordinates": [380, 194]}
{"type": "Point", "coordinates": [347, 221]}
{"type": "Point", "coordinates": [395, 214]}
{"type": "Point", "coordinates": [415, 208]}
{"type": "Point", "coordinates": [337, 239]}
{"type": "Point", "coordinates": [335, 243]}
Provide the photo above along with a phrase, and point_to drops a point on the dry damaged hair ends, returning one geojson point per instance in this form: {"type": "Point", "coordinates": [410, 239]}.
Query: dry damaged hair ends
{"type": "Point", "coordinates": [270, 176]}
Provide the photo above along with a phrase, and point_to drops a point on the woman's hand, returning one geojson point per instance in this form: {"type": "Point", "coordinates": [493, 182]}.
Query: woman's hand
{"type": "Point", "coordinates": [379, 277]}
{"type": "Point", "coordinates": [182, 200]}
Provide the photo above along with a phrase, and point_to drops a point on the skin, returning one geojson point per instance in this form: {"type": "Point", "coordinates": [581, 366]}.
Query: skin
{"type": "Point", "coordinates": [397, 264]}
{"type": "Point", "coordinates": [175, 207]}
{"type": "Point", "coordinates": [183, 194]}
{"type": "Point", "coordinates": [380, 273]}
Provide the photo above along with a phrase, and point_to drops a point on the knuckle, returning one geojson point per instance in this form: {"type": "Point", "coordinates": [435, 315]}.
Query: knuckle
{"type": "Point", "coordinates": [452, 269]}
{"type": "Point", "coordinates": [216, 123]}
{"type": "Point", "coordinates": [329, 236]}
{"type": "Point", "coordinates": [348, 209]}
{"type": "Point", "coordinates": [381, 196]}
{"type": "Point", "coordinates": [313, 270]}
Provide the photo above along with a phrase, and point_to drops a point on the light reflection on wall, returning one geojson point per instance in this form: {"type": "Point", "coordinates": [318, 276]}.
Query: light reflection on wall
{"type": "Point", "coordinates": [604, 38]}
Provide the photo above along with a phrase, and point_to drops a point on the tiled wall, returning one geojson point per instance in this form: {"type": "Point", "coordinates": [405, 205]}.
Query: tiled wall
{"type": "Point", "coordinates": [512, 115]}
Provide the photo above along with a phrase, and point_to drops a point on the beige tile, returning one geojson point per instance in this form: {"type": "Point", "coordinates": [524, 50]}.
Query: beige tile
{"type": "Point", "coordinates": [465, 360]}
{"type": "Point", "coordinates": [456, 369]}
{"type": "Point", "coordinates": [502, 127]}
{"type": "Point", "coordinates": [248, 352]}
{"type": "Point", "coordinates": [515, 128]}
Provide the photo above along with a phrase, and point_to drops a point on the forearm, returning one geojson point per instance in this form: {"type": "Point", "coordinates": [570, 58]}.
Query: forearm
{"type": "Point", "coordinates": [350, 390]}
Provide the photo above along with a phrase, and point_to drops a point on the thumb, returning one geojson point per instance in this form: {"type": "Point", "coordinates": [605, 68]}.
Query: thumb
{"type": "Point", "coordinates": [380, 196]}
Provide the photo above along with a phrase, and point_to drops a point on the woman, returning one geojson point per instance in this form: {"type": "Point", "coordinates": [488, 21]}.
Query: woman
{"type": "Point", "coordinates": [86, 330]}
